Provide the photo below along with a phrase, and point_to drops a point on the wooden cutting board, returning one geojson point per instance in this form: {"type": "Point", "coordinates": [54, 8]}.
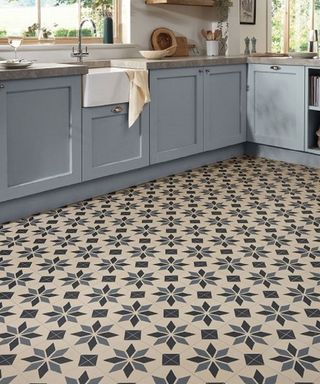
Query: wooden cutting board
{"type": "Point", "coordinates": [182, 47]}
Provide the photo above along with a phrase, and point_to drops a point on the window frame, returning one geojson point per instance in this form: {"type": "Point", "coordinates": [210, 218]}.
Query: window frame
{"type": "Point", "coordinates": [117, 32]}
{"type": "Point", "coordinates": [286, 29]}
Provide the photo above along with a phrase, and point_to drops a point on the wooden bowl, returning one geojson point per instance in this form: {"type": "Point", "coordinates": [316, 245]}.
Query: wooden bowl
{"type": "Point", "coordinates": [158, 54]}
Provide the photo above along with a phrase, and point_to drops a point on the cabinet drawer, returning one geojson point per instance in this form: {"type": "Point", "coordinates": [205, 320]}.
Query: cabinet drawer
{"type": "Point", "coordinates": [109, 145]}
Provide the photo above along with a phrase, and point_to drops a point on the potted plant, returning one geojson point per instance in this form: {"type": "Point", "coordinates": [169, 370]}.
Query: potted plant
{"type": "Point", "coordinates": [222, 8]}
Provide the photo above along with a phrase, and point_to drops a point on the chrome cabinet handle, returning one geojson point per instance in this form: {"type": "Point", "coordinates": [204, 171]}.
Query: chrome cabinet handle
{"type": "Point", "coordinates": [275, 67]}
{"type": "Point", "coordinates": [200, 70]}
{"type": "Point", "coordinates": [207, 70]}
{"type": "Point", "coordinates": [117, 109]}
{"type": "Point", "coordinates": [1, 85]}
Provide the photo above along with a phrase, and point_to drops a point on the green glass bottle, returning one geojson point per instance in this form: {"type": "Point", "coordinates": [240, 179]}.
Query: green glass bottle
{"type": "Point", "coordinates": [108, 30]}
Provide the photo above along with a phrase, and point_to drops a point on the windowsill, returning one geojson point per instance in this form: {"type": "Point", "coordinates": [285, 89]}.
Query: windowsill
{"type": "Point", "coordinates": [62, 47]}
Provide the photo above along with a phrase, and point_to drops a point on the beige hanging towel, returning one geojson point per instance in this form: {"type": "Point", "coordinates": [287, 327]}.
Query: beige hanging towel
{"type": "Point", "coordinates": [139, 93]}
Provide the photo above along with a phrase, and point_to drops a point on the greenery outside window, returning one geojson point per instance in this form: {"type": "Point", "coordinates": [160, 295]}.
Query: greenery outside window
{"type": "Point", "coordinates": [291, 21]}
{"type": "Point", "coordinates": [56, 21]}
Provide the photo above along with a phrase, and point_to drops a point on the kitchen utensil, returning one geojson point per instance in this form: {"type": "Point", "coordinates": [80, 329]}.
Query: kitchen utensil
{"type": "Point", "coordinates": [217, 35]}
{"type": "Point", "coordinates": [209, 35]}
{"type": "Point", "coordinates": [204, 33]}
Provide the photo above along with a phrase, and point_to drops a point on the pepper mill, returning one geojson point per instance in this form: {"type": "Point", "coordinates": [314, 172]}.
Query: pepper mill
{"type": "Point", "coordinates": [247, 43]}
{"type": "Point", "coordinates": [254, 45]}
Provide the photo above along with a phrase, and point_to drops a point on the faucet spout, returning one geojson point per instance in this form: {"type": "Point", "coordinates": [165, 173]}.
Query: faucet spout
{"type": "Point", "coordinates": [80, 53]}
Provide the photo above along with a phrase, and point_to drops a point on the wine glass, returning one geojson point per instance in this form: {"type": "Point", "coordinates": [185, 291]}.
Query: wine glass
{"type": "Point", "coordinates": [15, 42]}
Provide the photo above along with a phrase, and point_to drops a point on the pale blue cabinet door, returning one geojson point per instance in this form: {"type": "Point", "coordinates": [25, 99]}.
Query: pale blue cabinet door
{"type": "Point", "coordinates": [224, 106]}
{"type": "Point", "coordinates": [276, 103]}
{"type": "Point", "coordinates": [40, 135]}
{"type": "Point", "coordinates": [176, 113]}
{"type": "Point", "coordinates": [109, 145]}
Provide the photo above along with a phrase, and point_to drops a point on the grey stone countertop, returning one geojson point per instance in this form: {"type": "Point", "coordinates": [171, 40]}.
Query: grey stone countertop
{"type": "Point", "coordinates": [39, 70]}
{"type": "Point", "coordinates": [177, 62]}
{"type": "Point", "coordinates": [42, 70]}
{"type": "Point", "coordinates": [202, 61]}
{"type": "Point", "coordinates": [284, 61]}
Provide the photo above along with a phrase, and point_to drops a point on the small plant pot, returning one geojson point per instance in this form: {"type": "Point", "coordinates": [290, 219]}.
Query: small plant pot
{"type": "Point", "coordinates": [212, 48]}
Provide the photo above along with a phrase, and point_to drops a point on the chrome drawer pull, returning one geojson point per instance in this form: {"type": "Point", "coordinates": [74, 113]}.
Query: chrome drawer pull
{"type": "Point", "coordinates": [117, 109]}
{"type": "Point", "coordinates": [275, 67]}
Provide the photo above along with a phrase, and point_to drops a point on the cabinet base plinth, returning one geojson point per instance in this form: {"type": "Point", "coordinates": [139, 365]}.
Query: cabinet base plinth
{"type": "Point", "coordinates": [26, 206]}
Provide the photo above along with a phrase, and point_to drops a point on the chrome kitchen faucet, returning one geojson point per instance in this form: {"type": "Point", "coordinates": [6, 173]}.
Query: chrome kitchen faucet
{"type": "Point", "coordinates": [79, 53]}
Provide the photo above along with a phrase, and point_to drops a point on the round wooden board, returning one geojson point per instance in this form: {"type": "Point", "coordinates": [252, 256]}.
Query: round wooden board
{"type": "Point", "coordinates": [163, 38]}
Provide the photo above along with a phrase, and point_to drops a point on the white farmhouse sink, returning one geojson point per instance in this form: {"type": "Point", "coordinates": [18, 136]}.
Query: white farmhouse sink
{"type": "Point", "coordinates": [105, 86]}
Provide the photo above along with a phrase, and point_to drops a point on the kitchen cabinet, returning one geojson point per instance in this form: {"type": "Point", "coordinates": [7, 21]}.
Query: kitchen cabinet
{"type": "Point", "coordinates": [195, 110]}
{"type": "Point", "coordinates": [176, 113]}
{"type": "Point", "coordinates": [312, 112]}
{"type": "Point", "coordinates": [40, 135]}
{"type": "Point", "coordinates": [276, 105]}
{"type": "Point", "coordinates": [109, 145]}
{"type": "Point", "coordinates": [224, 106]}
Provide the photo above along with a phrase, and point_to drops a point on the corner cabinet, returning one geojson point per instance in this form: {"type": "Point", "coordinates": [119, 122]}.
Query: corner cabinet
{"type": "Point", "coordinates": [109, 145]}
{"type": "Point", "coordinates": [196, 109]}
{"type": "Point", "coordinates": [276, 105]}
{"type": "Point", "coordinates": [40, 135]}
{"type": "Point", "coordinates": [176, 113]}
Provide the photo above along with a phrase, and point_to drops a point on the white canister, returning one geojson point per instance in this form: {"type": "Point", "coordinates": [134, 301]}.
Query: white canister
{"type": "Point", "coordinates": [212, 48]}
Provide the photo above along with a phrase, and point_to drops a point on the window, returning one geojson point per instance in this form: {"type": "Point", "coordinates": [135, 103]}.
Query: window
{"type": "Point", "coordinates": [56, 19]}
{"type": "Point", "coordinates": [291, 22]}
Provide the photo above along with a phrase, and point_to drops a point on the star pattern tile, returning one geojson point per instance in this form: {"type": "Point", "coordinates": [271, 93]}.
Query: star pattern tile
{"type": "Point", "coordinates": [209, 276]}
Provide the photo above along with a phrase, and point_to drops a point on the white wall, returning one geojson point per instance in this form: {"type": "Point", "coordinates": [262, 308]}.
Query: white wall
{"type": "Point", "coordinates": [183, 20]}
{"type": "Point", "coordinates": [259, 30]}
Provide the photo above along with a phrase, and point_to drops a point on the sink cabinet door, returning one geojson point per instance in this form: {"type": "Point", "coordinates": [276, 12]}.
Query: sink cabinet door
{"type": "Point", "coordinates": [224, 106]}
{"type": "Point", "coordinates": [109, 145]}
{"type": "Point", "coordinates": [40, 135]}
{"type": "Point", "coordinates": [276, 105]}
{"type": "Point", "coordinates": [176, 113]}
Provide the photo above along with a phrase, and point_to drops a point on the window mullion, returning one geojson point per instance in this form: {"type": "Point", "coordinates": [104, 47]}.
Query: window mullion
{"type": "Point", "coordinates": [38, 6]}
{"type": "Point", "coordinates": [79, 12]}
{"type": "Point", "coordinates": [286, 26]}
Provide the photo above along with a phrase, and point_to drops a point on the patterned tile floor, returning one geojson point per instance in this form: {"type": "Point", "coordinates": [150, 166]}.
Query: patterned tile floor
{"type": "Point", "coordinates": [210, 276]}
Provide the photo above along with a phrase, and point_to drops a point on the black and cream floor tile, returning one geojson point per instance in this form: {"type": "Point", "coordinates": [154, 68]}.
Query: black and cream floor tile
{"type": "Point", "coordinates": [211, 276]}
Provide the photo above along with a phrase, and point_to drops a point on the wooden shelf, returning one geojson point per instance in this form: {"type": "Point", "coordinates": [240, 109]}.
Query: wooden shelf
{"type": "Point", "coordinates": [204, 3]}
